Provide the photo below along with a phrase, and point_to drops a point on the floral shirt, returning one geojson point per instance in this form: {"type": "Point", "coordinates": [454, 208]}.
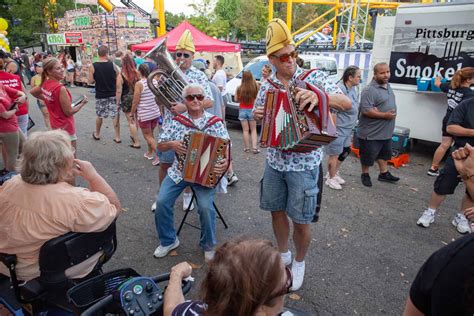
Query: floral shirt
{"type": "Point", "coordinates": [293, 161]}
{"type": "Point", "coordinates": [176, 131]}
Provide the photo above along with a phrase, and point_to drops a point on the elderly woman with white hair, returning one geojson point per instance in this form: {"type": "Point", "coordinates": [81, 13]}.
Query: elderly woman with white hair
{"type": "Point", "coordinates": [195, 119]}
{"type": "Point", "coordinates": [39, 204]}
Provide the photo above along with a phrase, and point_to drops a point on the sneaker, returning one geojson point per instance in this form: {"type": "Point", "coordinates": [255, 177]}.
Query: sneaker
{"type": "Point", "coordinates": [156, 162]}
{"type": "Point", "coordinates": [426, 218]}
{"type": "Point", "coordinates": [333, 184]}
{"type": "Point", "coordinates": [339, 179]}
{"type": "Point", "coordinates": [461, 223]}
{"type": "Point", "coordinates": [365, 177]}
{"type": "Point", "coordinates": [433, 172]}
{"type": "Point", "coordinates": [286, 257]}
{"type": "Point", "coordinates": [388, 177]}
{"type": "Point", "coordinates": [209, 255]}
{"type": "Point", "coordinates": [161, 251]}
{"type": "Point", "coordinates": [297, 271]}
{"type": "Point", "coordinates": [153, 207]}
{"type": "Point", "coordinates": [186, 200]}
{"type": "Point", "coordinates": [232, 179]}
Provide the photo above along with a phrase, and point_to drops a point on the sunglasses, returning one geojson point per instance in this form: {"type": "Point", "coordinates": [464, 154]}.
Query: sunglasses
{"type": "Point", "coordinates": [288, 284]}
{"type": "Point", "coordinates": [184, 55]}
{"type": "Point", "coordinates": [284, 58]}
{"type": "Point", "coordinates": [191, 97]}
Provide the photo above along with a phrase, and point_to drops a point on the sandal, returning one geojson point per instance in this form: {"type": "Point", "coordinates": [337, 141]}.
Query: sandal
{"type": "Point", "coordinates": [117, 141]}
{"type": "Point", "coordinates": [148, 157]}
{"type": "Point", "coordinates": [135, 146]}
{"type": "Point", "coordinates": [247, 150]}
{"type": "Point", "coordinates": [95, 137]}
{"type": "Point", "coordinates": [156, 162]}
{"type": "Point", "coordinates": [255, 150]}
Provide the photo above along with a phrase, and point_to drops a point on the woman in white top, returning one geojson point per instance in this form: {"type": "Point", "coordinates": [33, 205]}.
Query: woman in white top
{"type": "Point", "coordinates": [148, 112]}
{"type": "Point", "coordinates": [71, 69]}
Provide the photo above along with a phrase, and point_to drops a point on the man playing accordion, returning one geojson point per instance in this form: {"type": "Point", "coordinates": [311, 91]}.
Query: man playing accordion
{"type": "Point", "coordinates": [289, 185]}
{"type": "Point", "coordinates": [171, 138]}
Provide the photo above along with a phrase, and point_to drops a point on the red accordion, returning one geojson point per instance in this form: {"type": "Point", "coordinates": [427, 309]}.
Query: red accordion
{"type": "Point", "coordinates": [286, 128]}
{"type": "Point", "coordinates": [203, 152]}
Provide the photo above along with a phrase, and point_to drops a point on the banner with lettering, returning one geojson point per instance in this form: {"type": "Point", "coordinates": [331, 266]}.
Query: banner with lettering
{"type": "Point", "coordinates": [431, 44]}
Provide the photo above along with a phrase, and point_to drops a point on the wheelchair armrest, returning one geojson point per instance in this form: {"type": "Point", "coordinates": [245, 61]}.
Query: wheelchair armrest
{"type": "Point", "coordinates": [8, 260]}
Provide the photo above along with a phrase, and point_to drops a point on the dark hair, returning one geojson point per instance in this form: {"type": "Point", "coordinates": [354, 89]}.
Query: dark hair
{"type": "Point", "coordinates": [248, 89]}
{"type": "Point", "coordinates": [243, 276]}
{"type": "Point", "coordinates": [349, 72]}
{"type": "Point", "coordinates": [377, 65]}
{"type": "Point", "coordinates": [299, 61]}
{"type": "Point", "coordinates": [138, 52]}
{"type": "Point", "coordinates": [103, 51]}
{"type": "Point", "coordinates": [220, 58]}
{"type": "Point", "coordinates": [461, 76]}
{"type": "Point", "coordinates": [144, 70]}
{"type": "Point", "coordinates": [129, 70]}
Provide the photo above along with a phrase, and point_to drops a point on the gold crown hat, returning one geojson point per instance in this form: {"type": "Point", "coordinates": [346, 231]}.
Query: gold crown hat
{"type": "Point", "coordinates": [186, 42]}
{"type": "Point", "coordinates": [278, 36]}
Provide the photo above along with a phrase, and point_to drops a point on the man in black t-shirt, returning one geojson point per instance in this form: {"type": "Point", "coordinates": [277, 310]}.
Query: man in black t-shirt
{"type": "Point", "coordinates": [461, 126]}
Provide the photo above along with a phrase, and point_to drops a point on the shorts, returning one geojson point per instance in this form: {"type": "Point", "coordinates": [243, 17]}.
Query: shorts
{"type": "Point", "coordinates": [448, 178]}
{"type": "Point", "coordinates": [245, 115]}
{"type": "Point", "coordinates": [166, 156]}
{"type": "Point", "coordinates": [444, 125]}
{"type": "Point", "coordinates": [372, 150]}
{"type": "Point", "coordinates": [151, 124]}
{"type": "Point", "coordinates": [106, 107]}
{"type": "Point", "coordinates": [299, 202]}
{"type": "Point", "coordinates": [336, 147]}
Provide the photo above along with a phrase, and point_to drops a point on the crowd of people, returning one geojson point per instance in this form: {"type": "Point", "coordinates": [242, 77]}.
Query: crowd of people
{"type": "Point", "coordinates": [256, 270]}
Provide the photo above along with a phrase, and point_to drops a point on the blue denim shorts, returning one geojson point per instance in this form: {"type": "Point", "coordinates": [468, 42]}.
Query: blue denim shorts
{"type": "Point", "coordinates": [295, 192]}
{"type": "Point", "coordinates": [166, 156]}
{"type": "Point", "coordinates": [336, 147]}
{"type": "Point", "coordinates": [245, 115]}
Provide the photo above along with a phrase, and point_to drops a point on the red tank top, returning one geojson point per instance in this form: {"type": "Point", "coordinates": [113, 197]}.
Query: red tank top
{"type": "Point", "coordinates": [14, 81]}
{"type": "Point", "coordinates": [51, 90]}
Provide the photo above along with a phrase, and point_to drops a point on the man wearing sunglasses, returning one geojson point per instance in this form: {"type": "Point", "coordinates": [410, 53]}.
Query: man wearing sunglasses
{"type": "Point", "coordinates": [184, 55]}
{"type": "Point", "coordinates": [171, 138]}
{"type": "Point", "coordinates": [286, 169]}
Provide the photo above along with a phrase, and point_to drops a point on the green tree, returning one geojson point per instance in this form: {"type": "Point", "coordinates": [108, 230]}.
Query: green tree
{"type": "Point", "coordinates": [251, 20]}
{"type": "Point", "coordinates": [174, 19]}
{"type": "Point", "coordinates": [26, 17]}
{"type": "Point", "coordinates": [206, 20]}
{"type": "Point", "coordinates": [226, 10]}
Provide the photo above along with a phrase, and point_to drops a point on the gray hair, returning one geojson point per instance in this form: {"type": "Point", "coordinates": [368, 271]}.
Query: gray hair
{"type": "Point", "coordinates": [46, 157]}
{"type": "Point", "coordinates": [184, 94]}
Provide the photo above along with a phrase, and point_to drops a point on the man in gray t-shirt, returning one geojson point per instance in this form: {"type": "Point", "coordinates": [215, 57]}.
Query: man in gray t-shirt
{"type": "Point", "coordinates": [378, 110]}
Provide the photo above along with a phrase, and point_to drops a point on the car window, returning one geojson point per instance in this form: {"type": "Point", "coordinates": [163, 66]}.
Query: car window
{"type": "Point", "coordinates": [328, 66]}
{"type": "Point", "coordinates": [255, 67]}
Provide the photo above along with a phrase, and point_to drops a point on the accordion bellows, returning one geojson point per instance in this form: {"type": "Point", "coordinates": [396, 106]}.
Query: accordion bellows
{"type": "Point", "coordinates": [203, 152]}
{"type": "Point", "coordinates": [286, 128]}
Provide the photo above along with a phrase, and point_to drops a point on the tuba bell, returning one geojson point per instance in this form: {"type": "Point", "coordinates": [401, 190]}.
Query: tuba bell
{"type": "Point", "coordinates": [167, 81]}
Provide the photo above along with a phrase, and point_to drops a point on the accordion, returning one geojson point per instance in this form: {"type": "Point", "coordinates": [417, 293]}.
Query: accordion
{"type": "Point", "coordinates": [203, 152]}
{"type": "Point", "coordinates": [285, 127]}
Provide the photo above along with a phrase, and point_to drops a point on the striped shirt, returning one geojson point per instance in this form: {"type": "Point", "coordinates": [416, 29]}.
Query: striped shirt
{"type": "Point", "coordinates": [147, 108]}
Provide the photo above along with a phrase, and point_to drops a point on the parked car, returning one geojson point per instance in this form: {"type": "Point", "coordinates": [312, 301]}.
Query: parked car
{"type": "Point", "coordinates": [312, 61]}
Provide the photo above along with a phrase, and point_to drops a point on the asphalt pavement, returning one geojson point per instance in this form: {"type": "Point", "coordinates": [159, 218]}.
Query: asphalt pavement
{"type": "Point", "coordinates": [365, 250]}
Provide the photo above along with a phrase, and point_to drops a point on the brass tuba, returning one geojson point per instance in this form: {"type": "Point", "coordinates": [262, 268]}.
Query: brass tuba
{"type": "Point", "coordinates": [167, 81]}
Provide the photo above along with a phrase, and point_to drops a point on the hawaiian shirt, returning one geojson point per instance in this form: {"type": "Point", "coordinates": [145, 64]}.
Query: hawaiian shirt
{"type": "Point", "coordinates": [176, 131]}
{"type": "Point", "coordinates": [293, 161]}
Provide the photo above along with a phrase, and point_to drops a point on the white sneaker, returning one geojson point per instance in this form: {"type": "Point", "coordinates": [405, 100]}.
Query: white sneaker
{"type": "Point", "coordinates": [209, 255]}
{"type": "Point", "coordinates": [232, 179]}
{"type": "Point", "coordinates": [426, 218]}
{"type": "Point", "coordinates": [297, 271]}
{"type": "Point", "coordinates": [333, 184]}
{"type": "Point", "coordinates": [153, 207]}
{"type": "Point", "coordinates": [286, 257]}
{"type": "Point", "coordinates": [161, 251]}
{"type": "Point", "coordinates": [461, 223]}
{"type": "Point", "coordinates": [186, 200]}
{"type": "Point", "coordinates": [339, 179]}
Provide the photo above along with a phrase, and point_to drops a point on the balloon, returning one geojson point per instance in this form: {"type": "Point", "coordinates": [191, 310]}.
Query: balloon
{"type": "Point", "coordinates": [3, 24]}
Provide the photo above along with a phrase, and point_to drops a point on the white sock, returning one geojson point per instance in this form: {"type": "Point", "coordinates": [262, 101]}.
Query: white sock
{"type": "Point", "coordinates": [286, 254]}
{"type": "Point", "coordinates": [298, 263]}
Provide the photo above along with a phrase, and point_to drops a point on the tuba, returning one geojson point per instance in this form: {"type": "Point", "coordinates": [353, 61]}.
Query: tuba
{"type": "Point", "coordinates": [167, 81]}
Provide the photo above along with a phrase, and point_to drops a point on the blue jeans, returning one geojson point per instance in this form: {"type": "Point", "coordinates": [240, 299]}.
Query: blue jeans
{"type": "Point", "coordinates": [165, 200]}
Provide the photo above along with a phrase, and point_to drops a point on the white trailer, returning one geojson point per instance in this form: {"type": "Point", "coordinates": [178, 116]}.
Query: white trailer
{"type": "Point", "coordinates": [424, 41]}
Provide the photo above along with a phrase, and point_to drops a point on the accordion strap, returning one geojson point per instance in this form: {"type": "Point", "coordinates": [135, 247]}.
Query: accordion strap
{"type": "Point", "coordinates": [188, 123]}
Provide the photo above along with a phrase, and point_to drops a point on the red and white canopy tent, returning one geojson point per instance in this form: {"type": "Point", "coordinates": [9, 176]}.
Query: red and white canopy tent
{"type": "Point", "coordinates": [206, 47]}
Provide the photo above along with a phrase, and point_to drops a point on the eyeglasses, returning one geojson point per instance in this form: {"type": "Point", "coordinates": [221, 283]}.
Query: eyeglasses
{"type": "Point", "coordinates": [191, 97]}
{"type": "Point", "coordinates": [184, 55]}
{"type": "Point", "coordinates": [287, 288]}
{"type": "Point", "coordinates": [284, 58]}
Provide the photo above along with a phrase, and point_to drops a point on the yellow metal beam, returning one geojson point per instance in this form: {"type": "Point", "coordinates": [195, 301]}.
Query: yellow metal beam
{"type": "Point", "coordinates": [353, 18]}
{"type": "Point", "coordinates": [372, 4]}
{"type": "Point", "coordinates": [334, 30]}
{"type": "Point", "coordinates": [270, 10]}
{"type": "Point", "coordinates": [314, 21]}
{"type": "Point", "coordinates": [161, 12]}
{"type": "Point", "coordinates": [289, 13]}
